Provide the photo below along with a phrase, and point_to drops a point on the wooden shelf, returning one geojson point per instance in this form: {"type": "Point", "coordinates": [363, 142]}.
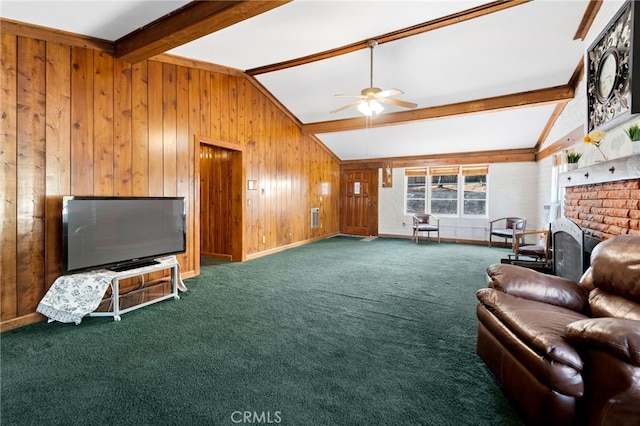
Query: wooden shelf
{"type": "Point", "coordinates": [623, 168]}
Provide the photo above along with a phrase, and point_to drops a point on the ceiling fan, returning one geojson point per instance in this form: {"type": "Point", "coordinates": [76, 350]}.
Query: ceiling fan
{"type": "Point", "coordinates": [371, 97]}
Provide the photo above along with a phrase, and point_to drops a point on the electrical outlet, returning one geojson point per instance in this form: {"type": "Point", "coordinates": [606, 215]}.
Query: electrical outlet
{"type": "Point", "coordinates": [264, 239]}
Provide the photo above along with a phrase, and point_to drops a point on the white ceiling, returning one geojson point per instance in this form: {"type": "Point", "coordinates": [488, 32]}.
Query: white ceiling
{"type": "Point", "coordinates": [523, 48]}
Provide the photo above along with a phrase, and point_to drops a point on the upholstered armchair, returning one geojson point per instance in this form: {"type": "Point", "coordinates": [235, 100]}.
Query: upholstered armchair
{"type": "Point", "coordinates": [424, 222]}
{"type": "Point", "coordinates": [506, 227]}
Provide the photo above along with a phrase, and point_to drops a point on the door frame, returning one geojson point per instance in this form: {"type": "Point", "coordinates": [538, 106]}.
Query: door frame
{"type": "Point", "coordinates": [238, 195]}
{"type": "Point", "coordinates": [373, 192]}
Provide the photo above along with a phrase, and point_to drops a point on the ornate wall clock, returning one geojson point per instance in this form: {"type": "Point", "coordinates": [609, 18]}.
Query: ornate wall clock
{"type": "Point", "coordinates": [612, 92]}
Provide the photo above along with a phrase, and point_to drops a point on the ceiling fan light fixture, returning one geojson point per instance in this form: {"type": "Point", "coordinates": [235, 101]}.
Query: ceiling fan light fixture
{"type": "Point", "coordinates": [371, 96]}
{"type": "Point", "coordinates": [370, 107]}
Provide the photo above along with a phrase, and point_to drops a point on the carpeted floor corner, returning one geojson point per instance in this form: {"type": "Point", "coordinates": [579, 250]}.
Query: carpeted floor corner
{"type": "Point", "coordinates": [335, 332]}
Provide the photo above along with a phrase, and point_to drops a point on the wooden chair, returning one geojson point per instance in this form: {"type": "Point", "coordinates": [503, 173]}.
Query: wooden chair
{"type": "Point", "coordinates": [539, 252]}
{"type": "Point", "coordinates": [511, 226]}
{"type": "Point", "coordinates": [424, 222]}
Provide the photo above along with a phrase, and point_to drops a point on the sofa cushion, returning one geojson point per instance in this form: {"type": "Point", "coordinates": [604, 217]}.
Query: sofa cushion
{"type": "Point", "coordinates": [615, 265]}
{"type": "Point", "coordinates": [539, 325]}
{"type": "Point", "coordinates": [605, 304]}
{"type": "Point", "coordinates": [619, 337]}
{"type": "Point", "coordinates": [534, 285]}
{"type": "Point", "coordinates": [505, 354]}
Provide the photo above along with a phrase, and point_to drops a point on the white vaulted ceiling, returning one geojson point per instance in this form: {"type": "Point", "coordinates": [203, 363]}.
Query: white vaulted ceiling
{"type": "Point", "coordinates": [525, 48]}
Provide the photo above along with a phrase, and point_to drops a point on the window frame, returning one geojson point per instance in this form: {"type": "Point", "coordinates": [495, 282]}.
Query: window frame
{"type": "Point", "coordinates": [462, 173]}
{"type": "Point", "coordinates": [414, 172]}
{"type": "Point", "coordinates": [486, 197]}
{"type": "Point", "coordinates": [430, 199]}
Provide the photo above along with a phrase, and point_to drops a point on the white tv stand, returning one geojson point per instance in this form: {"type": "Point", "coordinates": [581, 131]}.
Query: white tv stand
{"type": "Point", "coordinates": [116, 311]}
{"type": "Point", "coordinates": [71, 297]}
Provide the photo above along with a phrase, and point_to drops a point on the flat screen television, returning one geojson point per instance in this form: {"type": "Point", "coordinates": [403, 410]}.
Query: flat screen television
{"type": "Point", "coordinates": [120, 233]}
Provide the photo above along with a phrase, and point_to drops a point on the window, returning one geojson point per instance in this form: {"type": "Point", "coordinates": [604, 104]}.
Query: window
{"type": "Point", "coordinates": [474, 197]}
{"type": "Point", "coordinates": [451, 190]}
{"type": "Point", "coordinates": [444, 190]}
{"type": "Point", "coordinates": [416, 195]}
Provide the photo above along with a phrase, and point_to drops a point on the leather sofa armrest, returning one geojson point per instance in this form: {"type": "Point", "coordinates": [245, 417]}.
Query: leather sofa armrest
{"type": "Point", "coordinates": [617, 336]}
{"type": "Point", "coordinates": [534, 285]}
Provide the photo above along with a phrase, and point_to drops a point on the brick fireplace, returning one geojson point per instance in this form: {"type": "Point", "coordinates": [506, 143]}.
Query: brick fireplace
{"type": "Point", "coordinates": [604, 199]}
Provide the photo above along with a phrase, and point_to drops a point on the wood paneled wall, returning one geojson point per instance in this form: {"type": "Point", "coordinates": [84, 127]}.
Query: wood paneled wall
{"type": "Point", "coordinates": [76, 121]}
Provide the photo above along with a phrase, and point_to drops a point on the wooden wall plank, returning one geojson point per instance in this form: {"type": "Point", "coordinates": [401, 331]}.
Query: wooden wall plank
{"type": "Point", "coordinates": [169, 125]}
{"type": "Point", "coordinates": [140, 129]}
{"type": "Point", "coordinates": [234, 120]}
{"type": "Point", "coordinates": [156, 157]}
{"type": "Point", "coordinates": [226, 98]}
{"type": "Point", "coordinates": [58, 152]}
{"type": "Point", "coordinates": [122, 130]}
{"type": "Point", "coordinates": [193, 237]}
{"type": "Point", "coordinates": [237, 205]}
{"type": "Point", "coordinates": [206, 154]}
{"type": "Point", "coordinates": [216, 227]}
{"type": "Point", "coordinates": [82, 121]}
{"type": "Point", "coordinates": [259, 130]}
{"type": "Point", "coordinates": [103, 142]}
{"type": "Point", "coordinates": [205, 104]}
{"type": "Point", "coordinates": [271, 155]}
{"type": "Point", "coordinates": [31, 174]}
{"type": "Point", "coordinates": [215, 82]}
{"type": "Point", "coordinates": [252, 203]}
{"type": "Point", "coordinates": [183, 147]}
{"type": "Point", "coordinates": [241, 137]}
{"type": "Point", "coordinates": [8, 176]}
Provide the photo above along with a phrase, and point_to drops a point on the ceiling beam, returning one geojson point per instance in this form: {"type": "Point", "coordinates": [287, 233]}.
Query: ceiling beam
{"type": "Point", "coordinates": [560, 106]}
{"type": "Point", "coordinates": [190, 22]}
{"type": "Point", "coordinates": [457, 158]}
{"type": "Point", "coordinates": [557, 111]}
{"type": "Point", "coordinates": [424, 27]}
{"type": "Point", "coordinates": [587, 19]}
{"type": "Point", "coordinates": [516, 100]}
{"type": "Point", "coordinates": [564, 142]}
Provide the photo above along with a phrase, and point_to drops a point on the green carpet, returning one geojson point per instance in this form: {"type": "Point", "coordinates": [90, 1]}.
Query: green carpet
{"type": "Point", "coordinates": [337, 332]}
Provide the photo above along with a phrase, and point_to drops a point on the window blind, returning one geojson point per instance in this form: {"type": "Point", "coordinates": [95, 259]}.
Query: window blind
{"type": "Point", "coordinates": [475, 170]}
{"type": "Point", "coordinates": [444, 170]}
{"type": "Point", "coordinates": [415, 172]}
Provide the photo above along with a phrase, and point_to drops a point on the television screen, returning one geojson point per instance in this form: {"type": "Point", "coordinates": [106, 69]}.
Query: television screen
{"type": "Point", "coordinates": [120, 232]}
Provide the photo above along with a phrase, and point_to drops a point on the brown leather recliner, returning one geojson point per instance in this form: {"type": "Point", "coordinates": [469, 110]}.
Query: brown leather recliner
{"type": "Point", "coordinates": [567, 352]}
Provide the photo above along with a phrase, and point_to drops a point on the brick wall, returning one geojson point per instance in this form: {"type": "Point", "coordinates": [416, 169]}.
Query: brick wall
{"type": "Point", "coordinates": [605, 209]}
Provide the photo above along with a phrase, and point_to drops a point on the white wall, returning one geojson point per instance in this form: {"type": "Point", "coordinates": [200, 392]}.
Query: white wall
{"type": "Point", "coordinates": [512, 191]}
{"type": "Point", "coordinates": [548, 197]}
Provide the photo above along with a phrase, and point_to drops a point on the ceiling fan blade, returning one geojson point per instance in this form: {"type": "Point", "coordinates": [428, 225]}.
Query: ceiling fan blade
{"type": "Point", "coordinates": [344, 95]}
{"type": "Point", "coordinates": [389, 92]}
{"type": "Point", "coordinates": [398, 102]}
{"type": "Point", "coordinates": [345, 107]}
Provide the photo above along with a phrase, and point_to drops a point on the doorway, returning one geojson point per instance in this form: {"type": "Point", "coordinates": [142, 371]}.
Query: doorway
{"type": "Point", "coordinates": [360, 202]}
{"type": "Point", "coordinates": [220, 176]}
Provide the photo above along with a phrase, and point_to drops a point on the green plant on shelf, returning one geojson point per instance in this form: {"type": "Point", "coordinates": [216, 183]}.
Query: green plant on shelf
{"type": "Point", "coordinates": [634, 133]}
{"type": "Point", "coordinates": [573, 157]}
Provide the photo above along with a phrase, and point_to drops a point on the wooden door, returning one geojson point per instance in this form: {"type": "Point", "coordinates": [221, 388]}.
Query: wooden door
{"type": "Point", "coordinates": [215, 201]}
{"type": "Point", "coordinates": [360, 202]}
